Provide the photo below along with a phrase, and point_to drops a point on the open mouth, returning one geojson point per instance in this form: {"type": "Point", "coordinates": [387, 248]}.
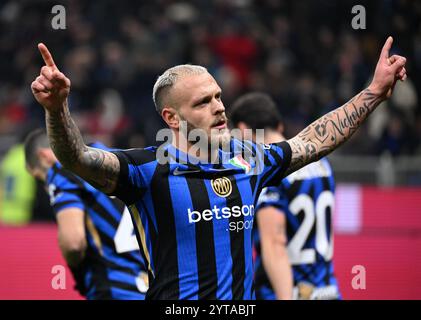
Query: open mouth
{"type": "Point", "coordinates": [221, 124]}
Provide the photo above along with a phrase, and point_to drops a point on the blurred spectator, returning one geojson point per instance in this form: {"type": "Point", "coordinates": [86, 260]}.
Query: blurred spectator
{"type": "Point", "coordinates": [17, 188]}
{"type": "Point", "coordinates": [394, 137]}
{"type": "Point", "coordinates": [304, 53]}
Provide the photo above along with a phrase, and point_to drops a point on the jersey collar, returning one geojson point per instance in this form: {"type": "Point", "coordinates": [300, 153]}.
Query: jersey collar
{"type": "Point", "coordinates": [183, 163]}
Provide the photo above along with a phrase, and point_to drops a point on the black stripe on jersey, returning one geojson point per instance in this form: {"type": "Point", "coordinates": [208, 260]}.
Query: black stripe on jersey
{"type": "Point", "coordinates": [312, 234]}
{"type": "Point", "coordinates": [141, 249]}
{"type": "Point", "coordinates": [118, 267]}
{"type": "Point", "coordinates": [101, 210]}
{"type": "Point", "coordinates": [152, 234]}
{"type": "Point", "coordinates": [166, 282]}
{"type": "Point", "coordinates": [124, 190]}
{"type": "Point", "coordinates": [293, 189]}
{"type": "Point", "coordinates": [118, 204]}
{"type": "Point", "coordinates": [205, 246]}
{"type": "Point", "coordinates": [92, 203]}
{"type": "Point", "coordinates": [275, 180]}
{"type": "Point", "coordinates": [286, 158]}
{"type": "Point", "coordinates": [272, 169]}
{"type": "Point", "coordinates": [105, 239]}
{"type": "Point", "coordinates": [253, 179]}
{"type": "Point", "coordinates": [99, 275]}
{"type": "Point", "coordinates": [70, 176]}
{"type": "Point", "coordinates": [329, 213]}
{"type": "Point", "coordinates": [283, 163]}
{"type": "Point", "coordinates": [265, 177]}
{"type": "Point", "coordinates": [237, 244]}
{"type": "Point", "coordinates": [327, 273]}
{"type": "Point", "coordinates": [305, 275]}
{"type": "Point", "coordinates": [76, 192]}
{"type": "Point", "coordinates": [253, 182]}
{"type": "Point", "coordinates": [57, 207]}
{"type": "Point", "coordinates": [55, 170]}
{"type": "Point", "coordinates": [123, 285]}
{"type": "Point", "coordinates": [249, 150]}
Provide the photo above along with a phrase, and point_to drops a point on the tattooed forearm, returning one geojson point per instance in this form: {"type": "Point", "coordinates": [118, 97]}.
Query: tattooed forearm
{"type": "Point", "coordinates": [65, 138]}
{"type": "Point", "coordinates": [102, 169]}
{"type": "Point", "coordinates": [98, 167]}
{"type": "Point", "coordinates": [330, 131]}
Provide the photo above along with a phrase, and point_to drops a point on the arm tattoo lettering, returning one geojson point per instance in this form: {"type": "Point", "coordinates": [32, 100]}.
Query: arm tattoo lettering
{"type": "Point", "coordinates": [330, 131]}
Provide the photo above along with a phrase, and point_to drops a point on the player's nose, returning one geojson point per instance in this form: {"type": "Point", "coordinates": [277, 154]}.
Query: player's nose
{"type": "Point", "coordinates": [218, 106]}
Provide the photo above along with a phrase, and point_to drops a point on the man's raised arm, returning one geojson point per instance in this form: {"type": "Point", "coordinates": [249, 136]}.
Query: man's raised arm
{"type": "Point", "coordinates": [51, 89]}
{"type": "Point", "coordinates": [330, 131]}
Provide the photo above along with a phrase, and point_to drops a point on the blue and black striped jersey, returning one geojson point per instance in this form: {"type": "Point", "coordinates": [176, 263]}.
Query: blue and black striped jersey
{"type": "Point", "coordinates": [194, 220]}
{"type": "Point", "coordinates": [306, 197]}
{"type": "Point", "coordinates": [113, 267]}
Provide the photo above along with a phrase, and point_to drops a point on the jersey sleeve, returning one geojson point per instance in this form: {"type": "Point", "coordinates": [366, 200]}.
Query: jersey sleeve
{"type": "Point", "coordinates": [65, 194]}
{"type": "Point", "coordinates": [275, 162]}
{"type": "Point", "coordinates": [272, 197]}
{"type": "Point", "coordinates": [136, 167]}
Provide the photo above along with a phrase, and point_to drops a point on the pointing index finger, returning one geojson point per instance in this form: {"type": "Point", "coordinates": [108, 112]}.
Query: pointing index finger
{"type": "Point", "coordinates": [386, 48]}
{"type": "Point", "coordinates": [46, 55]}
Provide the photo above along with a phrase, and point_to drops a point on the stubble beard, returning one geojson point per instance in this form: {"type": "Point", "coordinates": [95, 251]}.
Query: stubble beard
{"type": "Point", "coordinates": [206, 142]}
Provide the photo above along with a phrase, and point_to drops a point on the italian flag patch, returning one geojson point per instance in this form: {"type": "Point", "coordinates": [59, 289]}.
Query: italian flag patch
{"type": "Point", "coordinates": [239, 162]}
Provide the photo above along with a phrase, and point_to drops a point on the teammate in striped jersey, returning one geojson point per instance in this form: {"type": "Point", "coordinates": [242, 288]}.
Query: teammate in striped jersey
{"type": "Point", "coordinates": [196, 196]}
{"type": "Point", "coordinates": [95, 232]}
{"type": "Point", "coordinates": [294, 219]}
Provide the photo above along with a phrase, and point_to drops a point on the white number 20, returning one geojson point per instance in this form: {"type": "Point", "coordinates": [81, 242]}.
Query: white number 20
{"type": "Point", "coordinates": [124, 238]}
{"type": "Point", "coordinates": [324, 247]}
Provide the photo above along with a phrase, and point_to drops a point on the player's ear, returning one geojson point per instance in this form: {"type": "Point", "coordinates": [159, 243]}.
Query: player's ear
{"type": "Point", "coordinates": [41, 154]}
{"type": "Point", "coordinates": [280, 128]}
{"type": "Point", "coordinates": [46, 156]}
{"type": "Point", "coordinates": [171, 117]}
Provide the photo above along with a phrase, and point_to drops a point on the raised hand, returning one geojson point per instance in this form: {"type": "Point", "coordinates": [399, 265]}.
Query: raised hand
{"type": "Point", "coordinates": [388, 71]}
{"type": "Point", "coordinates": [51, 88]}
{"type": "Point", "coordinates": [331, 130]}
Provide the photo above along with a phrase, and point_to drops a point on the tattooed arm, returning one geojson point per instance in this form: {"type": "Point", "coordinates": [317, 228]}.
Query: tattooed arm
{"type": "Point", "coordinates": [99, 167]}
{"type": "Point", "coordinates": [51, 89]}
{"type": "Point", "coordinates": [330, 131]}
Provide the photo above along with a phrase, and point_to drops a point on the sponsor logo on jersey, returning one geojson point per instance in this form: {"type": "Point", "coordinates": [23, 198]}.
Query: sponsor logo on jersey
{"type": "Point", "coordinates": [220, 213]}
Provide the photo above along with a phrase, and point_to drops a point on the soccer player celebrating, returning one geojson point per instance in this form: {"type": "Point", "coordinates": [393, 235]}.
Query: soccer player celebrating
{"type": "Point", "coordinates": [95, 232]}
{"type": "Point", "coordinates": [196, 216]}
{"type": "Point", "coordinates": [294, 219]}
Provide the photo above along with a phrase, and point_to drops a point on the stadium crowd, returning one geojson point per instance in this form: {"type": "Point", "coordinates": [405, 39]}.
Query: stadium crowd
{"type": "Point", "coordinates": [303, 53]}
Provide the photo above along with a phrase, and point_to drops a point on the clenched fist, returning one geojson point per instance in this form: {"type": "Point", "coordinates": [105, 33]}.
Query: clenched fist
{"type": "Point", "coordinates": [51, 88]}
{"type": "Point", "coordinates": [388, 71]}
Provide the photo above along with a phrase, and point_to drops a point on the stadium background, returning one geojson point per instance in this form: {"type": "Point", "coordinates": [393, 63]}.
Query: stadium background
{"type": "Point", "coordinates": [304, 53]}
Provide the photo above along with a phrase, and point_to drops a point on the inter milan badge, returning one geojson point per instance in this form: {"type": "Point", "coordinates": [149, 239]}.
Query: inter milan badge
{"type": "Point", "coordinates": [222, 186]}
